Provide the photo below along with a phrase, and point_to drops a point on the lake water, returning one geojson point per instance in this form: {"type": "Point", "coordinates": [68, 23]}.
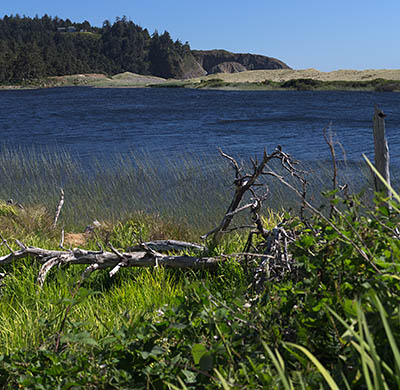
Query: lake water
{"type": "Point", "coordinates": [166, 123]}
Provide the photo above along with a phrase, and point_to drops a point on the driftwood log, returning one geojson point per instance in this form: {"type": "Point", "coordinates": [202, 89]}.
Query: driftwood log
{"type": "Point", "coordinates": [146, 257]}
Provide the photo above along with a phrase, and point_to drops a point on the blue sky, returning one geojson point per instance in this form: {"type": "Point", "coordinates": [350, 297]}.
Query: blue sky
{"type": "Point", "coordinates": [324, 34]}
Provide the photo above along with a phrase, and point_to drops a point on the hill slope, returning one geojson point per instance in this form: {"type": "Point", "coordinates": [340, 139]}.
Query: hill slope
{"type": "Point", "coordinates": [211, 61]}
{"type": "Point", "coordinates": [278, 75]}
{"type": "Point", "coordinates": [44, 47]}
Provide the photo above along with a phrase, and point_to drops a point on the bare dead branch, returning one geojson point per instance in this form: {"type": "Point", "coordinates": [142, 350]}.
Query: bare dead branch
{"type": "Point", "coordinates": [233, 161]}
{"type": "Point", "coordinates": [169, 246]}
{"type": "Point", "coordinates": [4, 241]}
{"type": "Point", "coordinates": [46, 267]}
{"type": "Point", "coordinates": [329, 141]}
{"type": "Point", "coordinates": [115, 251]}
{"type": "Point", "coordinates": [100, 260]}
{"type": "Point", "coordinates": [232, 229]}
{"type": "Point", "coordinates": [59, 207]}
{"type": "Point", "coordinates": [237, 211]}
{"type": "Point", "coordinates": [242, 183]}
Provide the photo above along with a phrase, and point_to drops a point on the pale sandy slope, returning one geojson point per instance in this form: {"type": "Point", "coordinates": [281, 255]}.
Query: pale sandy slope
{"type": "Point", "coordinates": [126, 79]}
{"type": "Point", "coordinates": [288, 74]}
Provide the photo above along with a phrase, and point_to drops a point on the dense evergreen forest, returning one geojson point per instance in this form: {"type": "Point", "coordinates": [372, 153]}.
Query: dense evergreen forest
{"type": "Point", "coordinates": [39, 47]}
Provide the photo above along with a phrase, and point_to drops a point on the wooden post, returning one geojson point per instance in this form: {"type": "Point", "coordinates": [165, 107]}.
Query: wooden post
{"type": "Point", "coordinates": [381, 152]}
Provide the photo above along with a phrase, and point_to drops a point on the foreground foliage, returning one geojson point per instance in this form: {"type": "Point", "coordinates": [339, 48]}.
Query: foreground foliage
{"type": "Point", "coordinates": [332, 322]}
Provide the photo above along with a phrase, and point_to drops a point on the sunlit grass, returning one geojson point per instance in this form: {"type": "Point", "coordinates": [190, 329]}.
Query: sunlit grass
{"type": "Point", "coordinates": [30, 317]}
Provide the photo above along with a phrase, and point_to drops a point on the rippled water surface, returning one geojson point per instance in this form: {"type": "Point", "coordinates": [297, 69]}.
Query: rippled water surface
{"type": "Point", "coordinates": [169, 122]}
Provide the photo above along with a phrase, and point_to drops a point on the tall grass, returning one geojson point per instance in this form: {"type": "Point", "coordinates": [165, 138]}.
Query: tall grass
{"type": "Point", "coordinates": [193, 189]}
{"type": "Point", "coordinates": [30, 317]}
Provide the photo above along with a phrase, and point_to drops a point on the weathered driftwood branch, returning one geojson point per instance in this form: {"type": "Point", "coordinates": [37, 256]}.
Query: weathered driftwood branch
{"type": "Point", "coordinates": [169, 246]}
{"type": "Point", "coordinates": [59, 207]}
{"type": "Point", "coordinates": [243, 183]}
{"type": "Point", "coordinates": [381, 151]}
{"type": "Point", "coordinates": [329, 141]}
{"type": "Point", "coordinates": [101, 259]}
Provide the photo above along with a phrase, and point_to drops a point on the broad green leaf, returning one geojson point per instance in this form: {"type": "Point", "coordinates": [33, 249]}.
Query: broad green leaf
{"type": "Point", "coordinates": [198, 350]}
{"type": "Point", "coordinates": [206, 362]}
{"type": "Point", "coordinates": [81, 338]}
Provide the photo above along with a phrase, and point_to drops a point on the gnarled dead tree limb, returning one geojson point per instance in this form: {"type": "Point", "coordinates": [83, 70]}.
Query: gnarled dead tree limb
{"type": "Point", "coordinates": [169, 246]}
{"type": "Point", "coordinates": [58, 210]}
{"type": "Point", "coordinates": [101, 259]}
{"type": "Point", "coordinates": [273, 260]}
{"type": "Point", "coordinates": [243, 183]}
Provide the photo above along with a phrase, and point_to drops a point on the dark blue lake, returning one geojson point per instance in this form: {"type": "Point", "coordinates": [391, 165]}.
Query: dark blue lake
{"type": "Point", "coordinates": [168, 122]}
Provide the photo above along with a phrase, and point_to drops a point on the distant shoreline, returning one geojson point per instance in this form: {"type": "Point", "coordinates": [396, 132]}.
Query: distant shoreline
{"type": "Point", "coordinates": [383, 80]}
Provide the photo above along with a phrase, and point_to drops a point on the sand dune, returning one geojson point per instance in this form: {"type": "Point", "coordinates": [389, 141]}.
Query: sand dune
{"type": "Point", "coordinates": [278, 75]}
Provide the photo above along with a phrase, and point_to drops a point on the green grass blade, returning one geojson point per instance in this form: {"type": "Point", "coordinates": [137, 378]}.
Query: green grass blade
{"type": "Point", "coordinates": [353, 333]}
{"type": "Point", "coordinates": [224, 383]}
{"type": "Point", "coordinates": [279, 357]}
{"type": "Point", "coordinates": [300, 378]}
{"type": "Point", "coordinates": [370, 362]}
{"type": "Point", "coordinates": [280, 369]}
{"type": "Point", "coordinates": [388, 331]}
{"type": "Point", "coordinates": [171, 386]}
{"type": "Point", "coordinates": [365, 358]}
{"type": "Point", "coordinates": [379, 382]}
{"type": "Point", "coordinates": [387, 185]}
{"type": "Point", "coordinates": [324, 372]}
{"type": "Point", "coordinates": [346, 382]}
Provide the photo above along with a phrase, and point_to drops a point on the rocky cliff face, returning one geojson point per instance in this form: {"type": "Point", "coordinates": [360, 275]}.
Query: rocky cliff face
{"type": "Point", "coordinates": [188, 67]}
{"type": "Point", "coordinates": [198, 63]}
{"type": "Point", "coordinates": [210, 61]}
{"type": "Point", "coordinates": [228, 67]}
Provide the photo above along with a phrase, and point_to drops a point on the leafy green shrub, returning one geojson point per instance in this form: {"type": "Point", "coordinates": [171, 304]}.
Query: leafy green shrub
{"type": "Point", "coordinates": [388, 87]}
{"type": "Point", "coordinates": [212, 83]}
{"type": "Point", "coordinates": [302, 84]}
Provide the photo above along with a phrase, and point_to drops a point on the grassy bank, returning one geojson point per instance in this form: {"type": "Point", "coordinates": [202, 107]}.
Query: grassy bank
{"type": "Point", "coordinates": [160, 328]}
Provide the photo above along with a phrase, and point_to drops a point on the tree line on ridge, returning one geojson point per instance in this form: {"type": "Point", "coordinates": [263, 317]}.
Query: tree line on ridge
{"type": "Point", "coordinates": [31, 48]}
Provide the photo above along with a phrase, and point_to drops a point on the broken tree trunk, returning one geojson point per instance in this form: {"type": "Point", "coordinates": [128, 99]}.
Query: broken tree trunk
{"type": "Point", "coordinates": [381, 152]}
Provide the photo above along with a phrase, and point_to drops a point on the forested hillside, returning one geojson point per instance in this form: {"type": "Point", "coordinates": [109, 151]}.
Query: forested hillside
{"type": "Point", "coordinates": [39, 47]}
